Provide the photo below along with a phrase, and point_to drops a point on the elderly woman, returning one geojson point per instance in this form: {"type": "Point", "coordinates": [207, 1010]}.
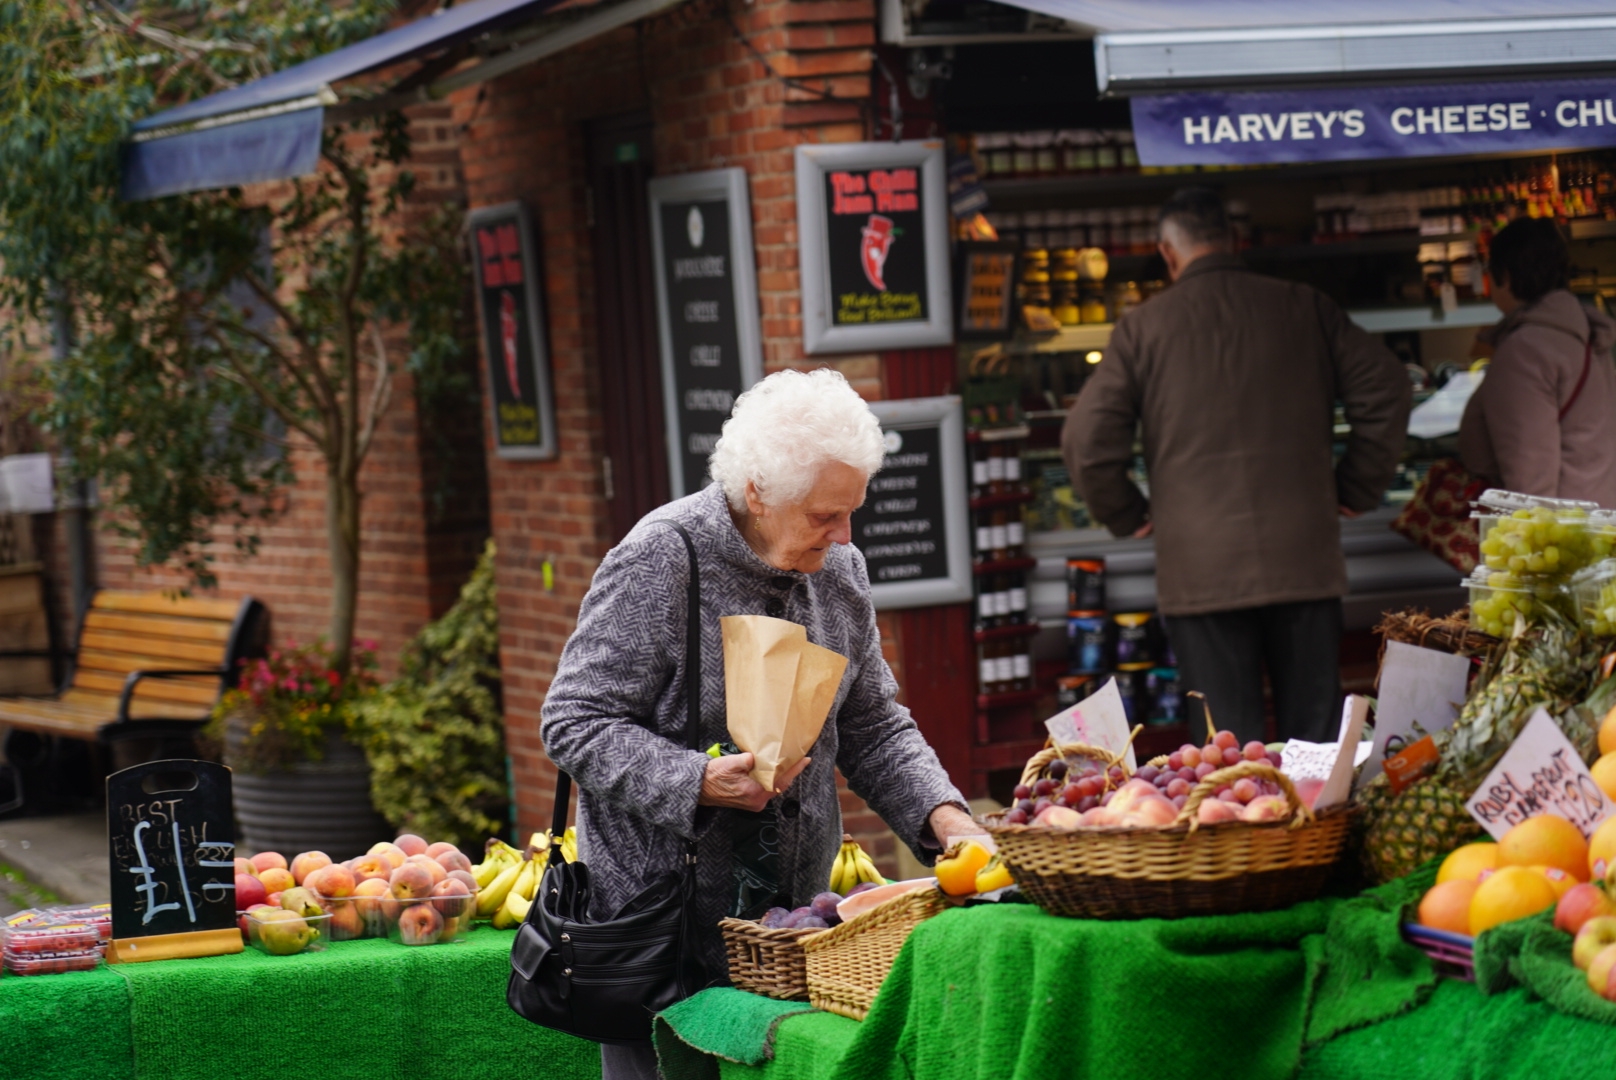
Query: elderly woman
{"type": "Point", "coordinates": [772, 535]}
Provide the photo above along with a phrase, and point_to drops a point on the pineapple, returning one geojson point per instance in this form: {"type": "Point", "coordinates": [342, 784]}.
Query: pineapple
{"type": "Point", "coordinates": [1402, 831]}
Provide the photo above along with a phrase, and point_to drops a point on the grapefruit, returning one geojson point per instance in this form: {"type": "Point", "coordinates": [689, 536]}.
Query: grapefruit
{"type": "Point", "coordinates": [1607, 732]}
{"type": "Point", "coordinates": [1446, 906]}
{"type": "Point", "coordinates": [1560, 881]}
{"type": "Point", "coordinates": [1545, 840]}
{"type": "Point", "coordinates": [1468, 862]}
{"type": "Point", "coordinates": [1604, 774]}
{"type": "Point", "coordinates": [1513, 892]}
{"type": "Point", "coordinates": [1602, 848]}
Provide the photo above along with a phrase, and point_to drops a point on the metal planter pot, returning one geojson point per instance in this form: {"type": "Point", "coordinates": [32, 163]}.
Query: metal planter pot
{"type": "Point", "coordinates": [311, 806]}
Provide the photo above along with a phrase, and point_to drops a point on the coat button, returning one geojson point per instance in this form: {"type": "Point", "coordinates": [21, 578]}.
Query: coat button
{"type": "Point", "coordinates": [783, 582]}
{"type": "Point", "coordinates": [775, 607]}
{"type": "Point", "coordinates": [791, 808]}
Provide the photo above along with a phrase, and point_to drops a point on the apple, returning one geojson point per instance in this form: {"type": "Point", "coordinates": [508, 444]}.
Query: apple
{"type": "Point", "coordinates": [393, 852]}
{"type": "Point", "coordinates": [410, 844]}
{"type": "Point", "coordinates": [412, 882]}
{"type": "Point", "coordinates": [265, 860]}
{"type": "Point", "coordinates": [451, 897]}
{"type": "Point", "coordinates": [249, 891]}
{"type": "Point", "coordinates": [1058, 817]}
{"type": "Point", "coordinates": [1602, 971]}
{"type": "Point", "coordinates": [245, 866]}
{"type": "Point", "coordinates": [1581, 903]}
{"type": "Point", "coordinates": [276, 878]}
{"type": "Point", "coordinates": [1597, 934]}
{"type": "Point", "coordinates": [307, 863]}
{"type": "Point", "coordinates": [420, 924]}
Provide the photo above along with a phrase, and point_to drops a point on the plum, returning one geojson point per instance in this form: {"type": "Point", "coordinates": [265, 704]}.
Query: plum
{"type": "Point", "coordinates": [824, 906]}
{"type": "Point", "coordinates": [773, 918]}
{"type": "Point", "coordinates": [797, 915]}
{"type": "Point", "coordinates": [812, 922]}
{"type": "Point", "coordinates": [863, 886]}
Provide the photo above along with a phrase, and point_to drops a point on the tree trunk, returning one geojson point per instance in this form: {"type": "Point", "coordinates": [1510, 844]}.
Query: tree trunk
{"type": "Point", "coordinates": [342, 535]}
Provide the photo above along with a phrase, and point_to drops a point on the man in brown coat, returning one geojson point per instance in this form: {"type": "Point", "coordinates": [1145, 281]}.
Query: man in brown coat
{"type": "Point", "coordinates": [1233, 378]}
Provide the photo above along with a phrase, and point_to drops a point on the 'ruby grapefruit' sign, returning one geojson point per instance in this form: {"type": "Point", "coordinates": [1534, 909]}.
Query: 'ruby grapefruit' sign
{"type": "Point", "coordinates": [1541, 773]}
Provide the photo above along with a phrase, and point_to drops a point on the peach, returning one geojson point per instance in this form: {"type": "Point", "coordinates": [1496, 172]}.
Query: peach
{"type": "Point", "coordinates": [434, 850]}
{"type": "Point", "coordinates": [276, 879]}
{"type": "Point", "coordinates": [436, 869]}
{"type": "Point", "coordinates": [1596, 935]}
{"type": "Point", "coordinates": [373, 899]}
{"type": "Point", "coordinates": [245, 866]}
{"type": "Point", "coordinates": [410, 844]}
{"type": "Point", "coordinates": [393, 853]}
{"type": "Point", "coordinates": [452, 860]}
{"type": "Point", "coordinates": [1100, 817]}
{"type": "Point", "coordinates": [307, 863]}
{"type": "Point", "coordinates": [1129, 793]}
{"type": "Point", "coordinates": [420, 924]}
{"type": "Point", "coordinates": [1151, 811]}
{"type": "Point", "coordinates": [1058, 817]}
{"type": "Point", "coordinates": [1266, 808]}
{"type": "Point", "coordinates": [412, 882]}
{"type": "Point", "coordinates": [1579, 904]}
{"type": "Point", "coordinates": [333, 880]}
{"type": "Point", "coordinates": [1602, 970]}
{"type": "Point", "coordinates": [451, 897]}
{"type": "Point", "coordinates": [1215, 812]}
{"type": "Point", "coordinates": [346, 923]}
{"type": "Point", "coordinates": [264, 860]}
{"type": "Point", "coordinates": [465, 878]}
{"type": "Point", "coordinates": [366, 867]}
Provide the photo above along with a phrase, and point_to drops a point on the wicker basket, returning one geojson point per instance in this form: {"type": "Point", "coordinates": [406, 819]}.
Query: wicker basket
{"type": "Point", "coordinates": [765, 961]}
{"type": "Point", "coordinates": [848, 963]}
{"type": "Point", "coordinates": [1181, 869]}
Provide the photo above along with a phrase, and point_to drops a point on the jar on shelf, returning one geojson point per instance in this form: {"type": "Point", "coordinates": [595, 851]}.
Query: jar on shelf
{"type": "Point", "coordinates": [1128, 298]}
{"type": "Point", "coordinates": [1063, 299]}
{"type": "Point", "coordinates": [1046, 159]}
{"type": "Point", "coordinates": [1077, 151]}
{"type": "Point", "coordinates": [1091, 302]}
{"type": "Point", "coordinates": [1464, 269]}
{"type": "Point", "coordinates": [1024, 153]}
{"type": "Point", "coordinates": [1106, 153]}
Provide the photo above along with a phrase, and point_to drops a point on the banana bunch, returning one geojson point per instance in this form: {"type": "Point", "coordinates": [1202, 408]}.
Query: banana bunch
{"type": "Point", "coordinates": [852, 867]}
{"type": "Point", "coordinates": [569, 843]}
{"type": "Point", "coordinates": [519, 897]}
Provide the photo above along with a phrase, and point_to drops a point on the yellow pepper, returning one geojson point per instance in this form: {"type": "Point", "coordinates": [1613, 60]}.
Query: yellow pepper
{"type": "Point", "coordinates": [956, 870]}
{"type": "Point", "coordinates": [995, 875]}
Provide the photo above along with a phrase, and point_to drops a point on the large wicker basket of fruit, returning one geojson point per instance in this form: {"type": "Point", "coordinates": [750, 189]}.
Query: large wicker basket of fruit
{"type": "Point", "coordinates": [1099, 843]}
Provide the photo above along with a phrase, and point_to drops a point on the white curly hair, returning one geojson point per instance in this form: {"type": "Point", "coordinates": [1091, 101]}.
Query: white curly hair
{"type": "Point", "coordinates": [784, 429]}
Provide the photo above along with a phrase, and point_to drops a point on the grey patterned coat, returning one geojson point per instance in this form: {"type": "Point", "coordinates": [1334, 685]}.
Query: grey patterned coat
{"type": "Point", "coordinates": [614, 715]}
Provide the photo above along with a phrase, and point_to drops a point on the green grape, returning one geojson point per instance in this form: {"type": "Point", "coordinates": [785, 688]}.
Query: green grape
{"type": "Point", "coordinates": [1540, 540]}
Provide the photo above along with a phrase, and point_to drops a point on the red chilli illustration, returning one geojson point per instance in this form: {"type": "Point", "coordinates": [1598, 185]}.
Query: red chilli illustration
{"type": "Point", "coordinates": [507, 335]}
{"type": "Point", "coordinates": [874, 247]}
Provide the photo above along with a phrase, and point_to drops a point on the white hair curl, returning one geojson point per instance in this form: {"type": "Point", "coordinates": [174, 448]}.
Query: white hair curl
{"type": "Point", "coordinates": [784, 429]}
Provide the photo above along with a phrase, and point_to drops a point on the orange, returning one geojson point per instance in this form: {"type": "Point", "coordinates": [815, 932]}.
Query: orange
{"type": "Point", "coordinates": [1604, 774]}
{"type": "Point", "coordinates": [1558, 879]}
{"type": "Point", "coordinates": [1607, 732]}
{"type": "Point", "coordinates": [1468, 862]}
{"type": "Point", "coordinates": [1446, 906]}
{"type": "Point", "coordinates": [1602, 848]}
{"type": "Point", "coordinates": [1546, 840]}
{"type": "Point", "coordinates": [1514, 892]}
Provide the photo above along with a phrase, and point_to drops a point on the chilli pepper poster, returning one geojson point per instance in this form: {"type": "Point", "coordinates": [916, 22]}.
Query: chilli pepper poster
{"type": "Point", "coordinates": [513, 332]}
{"type": "Point", "coordinates": [877, 246]}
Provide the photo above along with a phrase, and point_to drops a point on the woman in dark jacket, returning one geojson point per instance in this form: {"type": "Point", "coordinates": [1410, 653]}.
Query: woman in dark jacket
{"type": "Point", "coordinates": [1543, 421]}
{"type": "Point", "coordinates": [772, 535]}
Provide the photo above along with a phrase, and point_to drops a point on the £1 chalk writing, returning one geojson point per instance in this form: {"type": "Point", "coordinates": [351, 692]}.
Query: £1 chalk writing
{"type": "Point", "coordinates": [185, 886]}
{"type": "Point", "coordinates": [150, 885]}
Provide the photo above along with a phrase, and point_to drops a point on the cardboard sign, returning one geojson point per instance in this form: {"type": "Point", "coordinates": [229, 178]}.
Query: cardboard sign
{"type": "Point", "coordinates": [171, 844]}
{"type": "Point", "coordinates": [1334, 763]}
{"type": "Point", "coordinates": [1417, 685]}
{"type": "Point", "coordinates": [1541, 773]}
{"type": "Point", "coordinates": [1098, 720]}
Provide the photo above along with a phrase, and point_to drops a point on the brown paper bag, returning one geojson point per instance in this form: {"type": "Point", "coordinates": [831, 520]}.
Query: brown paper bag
{"type": "Point", "coordinates": [778, 689]}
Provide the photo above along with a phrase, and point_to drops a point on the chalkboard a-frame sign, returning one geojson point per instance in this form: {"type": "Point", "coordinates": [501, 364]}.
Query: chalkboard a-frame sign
{"type": "Point", "coordinates": [171, 841]}
{"type": "Point", "coordinates": [707, 311]}
{"type": "Point", "coordinates": [872, 221]}
{"type": "Point", "coordinates": [913, 528]}
{"type": "Point", "coordinates": [511, 318]}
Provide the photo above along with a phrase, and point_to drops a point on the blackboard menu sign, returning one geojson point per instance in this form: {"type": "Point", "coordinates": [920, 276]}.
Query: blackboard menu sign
{"type": "Point", "coordinates": [707, 313]}
{"type": "Point", "coordinates": [873, 219]}
{"type": "Point", "coordinates": [912, 528]}
{"type": "Point", "coordinates": [985, 290]}
{"type": "Point", "coordinates": [171, 842]}
{"type": "Point", "coordinates": [510, 304]}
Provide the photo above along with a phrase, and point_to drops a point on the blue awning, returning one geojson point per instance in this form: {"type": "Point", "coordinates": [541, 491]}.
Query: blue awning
{"type": "Point", "coordinates": [270, 148]}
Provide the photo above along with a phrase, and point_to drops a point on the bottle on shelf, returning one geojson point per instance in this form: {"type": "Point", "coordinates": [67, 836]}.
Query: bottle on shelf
{"type": "Point", "coordinates": [1017, 593]}
{"type": "Point", "coordinates": [998, 535]}
{"type": "Point", "coordinates": [984, 535]}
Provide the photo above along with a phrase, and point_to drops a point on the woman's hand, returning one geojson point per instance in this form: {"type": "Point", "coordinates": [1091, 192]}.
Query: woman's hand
{"type": "Point", "coordinates": [948, 821]}
{"type": "Point", "coordinates": [728, 782]}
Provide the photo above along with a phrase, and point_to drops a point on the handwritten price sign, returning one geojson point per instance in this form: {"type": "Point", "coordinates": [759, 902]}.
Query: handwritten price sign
{"type": "Point", "coordinates": [1541, 773]}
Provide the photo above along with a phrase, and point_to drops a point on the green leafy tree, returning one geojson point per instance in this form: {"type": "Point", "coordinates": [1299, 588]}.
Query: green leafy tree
{"type": "Point", "coordinates": [212, 332]}
{"type": "Point", "coordinates": [435, 736]}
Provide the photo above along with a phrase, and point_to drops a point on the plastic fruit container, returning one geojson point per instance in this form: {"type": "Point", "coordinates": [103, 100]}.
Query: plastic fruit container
{"type": "Point", "coordinates": [1496, 598]}
{"type": "Point", "coordinates": [51, 963]}
{"type": "Point", "coordinates": [355, 917]}
{"type": "Point", "coordinates": [1593, 592]}
{"type": "Point", "coordinates": [50, 937]}
{"type": "Point", "coordinates": [1531, 535]}
{"type": "Point", "coordinates": [286, 933]}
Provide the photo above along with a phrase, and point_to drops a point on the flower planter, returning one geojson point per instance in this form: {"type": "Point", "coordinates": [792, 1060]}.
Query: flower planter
{"type": "Point", "coordinates": [309, 806]}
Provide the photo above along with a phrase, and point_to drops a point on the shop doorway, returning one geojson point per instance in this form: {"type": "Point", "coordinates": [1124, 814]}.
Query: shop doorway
{"type": "Point", "coordinates": [636, 465]}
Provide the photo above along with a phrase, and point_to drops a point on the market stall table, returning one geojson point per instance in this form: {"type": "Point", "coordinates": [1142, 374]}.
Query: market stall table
{"type": "Point", "coordinates": [358, 1009]}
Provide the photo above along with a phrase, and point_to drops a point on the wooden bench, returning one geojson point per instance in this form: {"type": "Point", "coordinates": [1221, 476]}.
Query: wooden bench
{"type": "Point", "coordinates": [148, 665]}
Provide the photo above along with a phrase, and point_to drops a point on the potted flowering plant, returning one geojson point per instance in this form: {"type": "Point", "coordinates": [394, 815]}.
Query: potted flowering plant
{"type": "Point", "coordinates": [290, 731]}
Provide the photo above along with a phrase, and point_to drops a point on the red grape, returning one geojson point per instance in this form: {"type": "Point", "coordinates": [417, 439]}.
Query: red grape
{"type": "Point", "coordinates": [1025, 806]}
{"type": "Point", "coordinates": [1148, 772]}
{"type": "Point", "coordinates": [1178, 786]}
{"type": "Point", "coordinates": [1188, 773]}
{"type": "Point", "coordinates": [1222, 791]}
{"type": "Point", "coordinates": [1022, 792]}
{"type": "Point", "coordinates": [1203, 770]}
{"type": "Point", "coordinates": [1116, 774]}
{"type": "Point", "coordinates": [1015, 816]}
{"type": "Point", "coordinates": [1039, 806]}
{"type": "Point", "coordinates": [1071, 794]}
{"type": "Point", "coordinates": [1179, 801]}
{"type": "Point", "coordinates": [1245, 790]}
{"type": "Point", "coordinates": [1043, 787]}
{"type": "Point", "coordinates": [1089, 802]}
{"type": "Point", "coordinates": [1057, 770]}
{"type": "Point", "coordinates": [1191, 756]}
{"type": "Point", "coordinates": [1175, 761]}
{"type": "Point", "coordinates": [1225, 740]}
{"type": "Point", "coordinates": [1213, 756]}
{"type": "Point", "coordinates": [1255, 751]}
{"type": "Point", "coordinates": [1275, 759]}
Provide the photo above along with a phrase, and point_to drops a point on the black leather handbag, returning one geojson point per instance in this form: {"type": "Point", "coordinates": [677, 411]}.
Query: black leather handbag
{"type": "Point", "coordinates": [604, 980]}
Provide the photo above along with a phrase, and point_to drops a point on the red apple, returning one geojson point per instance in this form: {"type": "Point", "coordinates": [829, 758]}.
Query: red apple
{"type": "Point", "coordinates": [1596, 935]}
{"type": "Point", "coordinates": [245, 866]}
{"type": "Point", "coordinates": [249, 891]}
{"type": "Point", "coordinates": [1602, 972]}
{"type": "Point", "coordinates": [1581, 903]}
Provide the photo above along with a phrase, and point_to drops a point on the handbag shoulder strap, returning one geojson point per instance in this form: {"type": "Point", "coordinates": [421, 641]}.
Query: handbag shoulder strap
{"type": "Point", "coordinates": [1587, 362]}
{"type": "Point", "coordinates": [563, 788]}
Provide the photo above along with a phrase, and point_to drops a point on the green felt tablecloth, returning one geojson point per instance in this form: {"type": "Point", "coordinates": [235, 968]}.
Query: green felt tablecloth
{"type": "Point", "coordinates": [366, 1010]}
